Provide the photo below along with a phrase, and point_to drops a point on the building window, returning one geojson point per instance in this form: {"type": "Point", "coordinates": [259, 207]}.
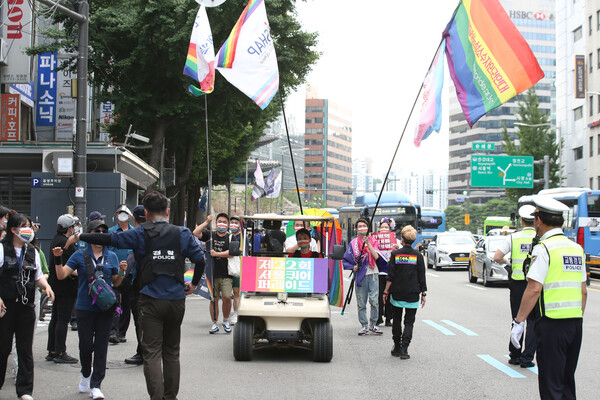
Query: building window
{"type": "Point", "coordinates": [577, 34]}
{"type": "Point", "coordinates": [591, 105]}
{"type": "Point", "coordinates": [590, 25]}
{"type": "Point", "coordinates": [597, 181]}
{"type": "Point", "coordinates": [578, 113]}
{"type": "Point", "coordinates": [578, 153]}
{"type": "Point", "coordinates": [591, 183]}
{"type": "Point", "coordinates": [591, 62]}
{"type": "Point", "coordinates": [598, 20]}
{"type": "Point", "coordinates": [591, 146]}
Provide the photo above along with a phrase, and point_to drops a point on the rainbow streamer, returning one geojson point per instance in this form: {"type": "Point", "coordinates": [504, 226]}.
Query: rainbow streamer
{"type": "Point", "coordinates": [227, 52]}
{"type": "Point", "coordinates": [189, 274]}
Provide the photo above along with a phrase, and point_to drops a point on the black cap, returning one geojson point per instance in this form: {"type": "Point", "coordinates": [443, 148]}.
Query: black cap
{"type": "Point", "coordinates": [95, 224]}
{"type": "Point", "coordinates": [94, 215]}
{"type": "Point", "coordinates": [138, 213]}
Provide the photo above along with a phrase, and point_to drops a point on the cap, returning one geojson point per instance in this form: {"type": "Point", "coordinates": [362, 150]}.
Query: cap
{"type": "Point", "coordinates": [95, 224]}
{"type": "Point", "coordinates": [96, 215]}
{"type": "Point", "coordinates": [66, 221]}
{"type": "Point", "coordinates": [549, 205]}
{"type": "Point", "coordinates": [236, 218]}
{"type": "Point", "coordinates": [526, 212]}
{"type": "Point", "coordinates": [124, 208]}
{"type": "Point", "coordinates": [138, 213]}
{"type": "Point", "coordinates": [76, 218]}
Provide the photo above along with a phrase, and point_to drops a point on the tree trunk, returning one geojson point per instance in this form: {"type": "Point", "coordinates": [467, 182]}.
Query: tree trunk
{"type": "Point", "coordinates": [157, 143]}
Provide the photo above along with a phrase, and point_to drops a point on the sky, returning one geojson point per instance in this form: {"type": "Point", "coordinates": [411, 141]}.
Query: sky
{"type": "Point", "coordinates": [375, 55]}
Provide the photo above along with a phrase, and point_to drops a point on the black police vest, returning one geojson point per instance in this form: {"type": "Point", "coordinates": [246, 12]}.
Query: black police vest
{"type": "Point", "coordinates": [16, 286]}
{"type": "Point", "coordinates": [163, 253]}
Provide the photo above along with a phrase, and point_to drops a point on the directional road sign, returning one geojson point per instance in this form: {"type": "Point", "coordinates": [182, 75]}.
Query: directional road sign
{"type": "Point", "coordinates": [483, 146]}
{"type": "Point", "coordinates": [502, 171]}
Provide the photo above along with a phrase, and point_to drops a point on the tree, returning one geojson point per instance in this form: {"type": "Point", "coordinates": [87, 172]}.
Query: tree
{"type": "Point", "coordinates": [455, 215]}
{"type": "Point", "coordinates": [537, 141]}
{"type": "Point", "coordinates": [138, 49]}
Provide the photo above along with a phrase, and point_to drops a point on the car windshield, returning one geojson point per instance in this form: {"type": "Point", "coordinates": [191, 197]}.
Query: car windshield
{"type": "Point", "coordinates": [455, 239]}
{"type": "Point", "coordinates": [494, 243]}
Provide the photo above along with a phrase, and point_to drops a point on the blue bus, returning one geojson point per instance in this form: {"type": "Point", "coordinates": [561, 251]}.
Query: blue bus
{"type": "Point", "coordinates": [433, 221]}
{"type": "Point", "coordinates": [393, 205]}
{"type": "Point", "coordinates": [582, 221]}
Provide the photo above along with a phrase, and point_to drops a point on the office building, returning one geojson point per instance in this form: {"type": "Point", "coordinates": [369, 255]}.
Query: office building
{"type": "Point", "coordinates": [591, 27]}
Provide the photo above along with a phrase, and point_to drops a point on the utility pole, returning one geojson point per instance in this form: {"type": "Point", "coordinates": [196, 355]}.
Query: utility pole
{"type": "Point", "coordinates": [81, 135]}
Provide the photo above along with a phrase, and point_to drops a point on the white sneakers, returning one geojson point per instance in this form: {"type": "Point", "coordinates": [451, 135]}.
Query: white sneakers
{"type": "Point", "coordinates": [226, 327]}
{"type": "Point", "coordinates": [233, 318]}
{"type": "Point", "coordinates": [26, 397]}
{"type": "Point", "coordinates": [214, 329]}
{"type": "Point", "coordinates": [84, 383]}
{"type": "Point", "coordinates": [96, 394]}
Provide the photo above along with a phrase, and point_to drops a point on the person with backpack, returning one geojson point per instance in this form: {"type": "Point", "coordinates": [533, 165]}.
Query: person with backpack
{"type": "Point", "coordinates": [96, 267]}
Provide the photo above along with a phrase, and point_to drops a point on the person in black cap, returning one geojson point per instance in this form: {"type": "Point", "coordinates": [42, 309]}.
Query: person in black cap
{"type": "Point", "coordinates": [556, 286]}
{"type": "Point", "coordinates": [94, 215]}
{"type": "Point", "coordinates": [65, 292]}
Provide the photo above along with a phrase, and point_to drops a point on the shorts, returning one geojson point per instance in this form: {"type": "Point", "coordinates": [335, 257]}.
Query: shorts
{"type": "Point", "coordinates": [236, 282]}
{"type": "Point", "coordinates": [223, 286]}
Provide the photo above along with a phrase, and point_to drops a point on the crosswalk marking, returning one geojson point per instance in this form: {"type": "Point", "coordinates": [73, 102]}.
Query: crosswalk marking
{"type": "Point", "coordinates": [533, 369]}
{"type": "Point", "coordinates": [434, 275]}
{"type": "Point", "coordinates": [440, 328]}
{"type": "Point", "coordinates": [475, 287]}
{"type": "Point", "coordinates": [464, 330]}
{"type": "Point", "coordinates": [502, 367]}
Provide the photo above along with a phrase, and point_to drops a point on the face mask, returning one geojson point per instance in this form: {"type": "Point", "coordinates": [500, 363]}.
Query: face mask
{"type": "Point", "coordinates": [123, 217]}
{"type": "Point", "coordinates": [26, 234]}
{"type": "Point", "coordinates": [304, 243]}
{"type": "Point", "coordinates": [221, 227]}
{"type": "Point", "coordinates": [234, 228]}
{"type": "Point", "coordinates": [362, 231]}
{"type": "Point", "coordinates": [384, 230]}
{"type": "Point", "coordinates": [297, 228]}
{"type": "Point", "coordinates": [77, 229]}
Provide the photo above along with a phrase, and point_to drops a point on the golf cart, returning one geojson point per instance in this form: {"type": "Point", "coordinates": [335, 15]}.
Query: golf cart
{"type": "Point", "coordinates": [284, 300]}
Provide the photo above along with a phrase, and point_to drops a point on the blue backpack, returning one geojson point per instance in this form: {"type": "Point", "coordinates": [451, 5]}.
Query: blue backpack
{"type": "Point", "coordinates": [100, 291]}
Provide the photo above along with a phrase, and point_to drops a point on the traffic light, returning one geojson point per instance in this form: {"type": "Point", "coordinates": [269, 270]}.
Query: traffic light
{"type": "Point", "coordinates": [465, 192]}
{"type": "Point", "coordinates": [467, 219]}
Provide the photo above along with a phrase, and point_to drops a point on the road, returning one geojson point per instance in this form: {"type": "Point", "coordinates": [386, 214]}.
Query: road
{"type": "Point", "coordinates": [461, 332]}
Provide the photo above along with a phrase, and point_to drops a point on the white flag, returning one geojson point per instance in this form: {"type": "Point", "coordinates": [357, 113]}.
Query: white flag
{"type": "Point", "coordinates": [276, 187]}
{"type": "Point", "coordinates": [200, 61]}
{"type": "Point", "coordinates": [259, 183]}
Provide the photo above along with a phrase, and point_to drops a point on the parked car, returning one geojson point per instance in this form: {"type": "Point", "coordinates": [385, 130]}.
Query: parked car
{"type": "Point", "coordinates": [450, 249]}
{"type": "Point", "coordinates": [482, 264]}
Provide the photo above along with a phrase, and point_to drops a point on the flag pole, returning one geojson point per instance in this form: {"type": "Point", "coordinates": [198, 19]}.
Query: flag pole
{"type": "Point", "coordinates": [291, 154]}
{"type": "Point", "coordinates": [208, 202]}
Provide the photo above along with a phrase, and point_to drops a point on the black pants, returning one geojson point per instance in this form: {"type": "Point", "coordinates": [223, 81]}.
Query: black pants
{"type": "Point", "coordinates": [59, 324]}
{"type": "Point", "coordinates": [93, 328]}
{"type": "Point", "coordinates": [161, 334]}
{"type": "Point", "coordinates": [384, 309]}
{"type": "Point", "coordinates": [409, 321]}
{"type": "Point", "coordinates": [19, 321]}
{"type": "Point", "coordinates": [559, 342]}
{"type": "Point", "coordinates": [133, 302]}
{"type": "Point", "coordinates": [525, 353]}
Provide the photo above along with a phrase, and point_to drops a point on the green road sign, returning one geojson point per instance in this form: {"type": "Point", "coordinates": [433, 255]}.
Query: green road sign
{"type": "Point", "coordinates": [502, 171]}
{"type": "Point", "coordinates": [483, 146]}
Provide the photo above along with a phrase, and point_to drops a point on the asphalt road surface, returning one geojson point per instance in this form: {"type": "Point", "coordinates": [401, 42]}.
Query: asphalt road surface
{"type": "Point", "coordinates": [459, 351]}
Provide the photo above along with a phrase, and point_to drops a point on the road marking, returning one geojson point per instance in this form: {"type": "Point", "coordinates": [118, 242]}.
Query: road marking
{"type": "Point", "coordinates": [595, 290]}
{"type": "Point", "coordinates": [434, 275]}
{"type": "Point", "coordinates": [475, 287]}
{"type": "Point", "coordinates": [593, 284]}
{"type": "Point", "coordinates": [460, 328]}
{"type": "Point", "coordinates": [439, 327]}
{"type": "Point", "coordinates": [533, 369]}
{"type": "Point", "coordinates": [498, 365]}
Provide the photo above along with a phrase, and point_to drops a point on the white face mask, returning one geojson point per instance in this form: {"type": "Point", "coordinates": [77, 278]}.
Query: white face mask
{"type": "Point", "coordinates": [123, 217]}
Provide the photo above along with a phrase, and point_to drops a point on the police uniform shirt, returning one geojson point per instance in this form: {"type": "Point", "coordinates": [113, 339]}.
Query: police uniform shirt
{"type": "Point", "coordinates": [18, 251]}
{"type": "Point", "coordinates": [506, 246]}
{"type": "Point", "coordinates": [541, 260]}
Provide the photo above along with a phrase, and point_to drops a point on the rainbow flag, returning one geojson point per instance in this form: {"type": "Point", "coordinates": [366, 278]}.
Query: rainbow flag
{"type": "Point", "coordinates": [200, 61]}
{"type": "Point", "coordinates": [336, 277]}
{"type": "Point", "coordinates": [189, 275]}
{"type": "Point", "coordinates": [489, 60]}
{"type": "Point", "coordinates": [247, 59]}
{"type": "Point", "coordinates": [431, 111]}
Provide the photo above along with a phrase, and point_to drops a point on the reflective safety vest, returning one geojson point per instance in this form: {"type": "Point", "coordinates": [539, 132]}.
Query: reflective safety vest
{"type": "Point", "coordinates": [561, 292]}
{"type": "Point", "coordinates": [520, 246]}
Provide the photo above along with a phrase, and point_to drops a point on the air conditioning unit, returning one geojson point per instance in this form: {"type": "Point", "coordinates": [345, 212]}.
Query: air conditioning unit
{"type": "Point", "coordinates": [58, 162]}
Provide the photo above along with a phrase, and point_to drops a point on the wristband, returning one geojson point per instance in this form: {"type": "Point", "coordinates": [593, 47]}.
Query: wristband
{"type": "Point", "coordinates": [386, 293]}
{"type": "Point", "coordinates": [423, 294]}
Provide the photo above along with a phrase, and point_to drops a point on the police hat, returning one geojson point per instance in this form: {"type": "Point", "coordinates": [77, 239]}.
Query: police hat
{"type": "Point", "coordinates": [526, 212]}
{"type": "Point", "coordinates": [95, 224]}
{"type": "Point", "coordinates": [548, 205]}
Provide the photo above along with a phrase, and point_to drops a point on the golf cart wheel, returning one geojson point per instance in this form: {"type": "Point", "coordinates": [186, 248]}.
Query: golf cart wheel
{"type": "Point", "coordinates": [322, 341]}
{"type": "Point", "coordinates": [243, 333]}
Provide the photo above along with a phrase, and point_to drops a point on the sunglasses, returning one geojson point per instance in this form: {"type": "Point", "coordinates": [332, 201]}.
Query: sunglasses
{"type": "Point", "coordinates": [100, 231]}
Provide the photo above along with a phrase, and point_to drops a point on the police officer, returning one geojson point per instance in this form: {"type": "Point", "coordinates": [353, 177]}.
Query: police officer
{"type": "Point", "coordinates": [557, 287]}
{"type": "Point", "coordinates": [159, 249]}
{"type": "Point", "coordinates": [518, 246]}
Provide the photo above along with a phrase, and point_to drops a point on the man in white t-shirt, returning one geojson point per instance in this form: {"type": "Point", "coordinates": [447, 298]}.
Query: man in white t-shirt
{"type": "Point", "coordinates": [557, 288]}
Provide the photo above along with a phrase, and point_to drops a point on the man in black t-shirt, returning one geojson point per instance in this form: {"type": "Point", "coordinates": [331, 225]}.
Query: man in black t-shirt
{"type": "Point", "coordinates": [222, 281]}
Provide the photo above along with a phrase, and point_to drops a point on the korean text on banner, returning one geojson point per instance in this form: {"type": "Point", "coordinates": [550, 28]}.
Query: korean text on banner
{"type": "Point", "coordinates": [46, 90]}
{"type": "Point", "coordinates": [292, 275]}
{"type": "Point", "coordinates": [11, 106]}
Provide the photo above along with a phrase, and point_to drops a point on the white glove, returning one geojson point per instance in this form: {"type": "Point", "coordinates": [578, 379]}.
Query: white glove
{"type": "Point", "coordinates": [516, 333]}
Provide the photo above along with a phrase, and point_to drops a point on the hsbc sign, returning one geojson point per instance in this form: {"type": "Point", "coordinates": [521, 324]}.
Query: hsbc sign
{"type": "Point", "coordinates": [540, 16]}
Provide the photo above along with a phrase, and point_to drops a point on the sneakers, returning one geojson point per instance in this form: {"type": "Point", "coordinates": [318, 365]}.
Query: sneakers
{"type": "Point", "coordinates": [64, 358]}
{"type": "Point", "coordinates": [26, 397]}
{"type": "Point", "coordinates": [376, 331]}
{"type": "Point", "coordinates": [226, 327]}
{"type": "Point", "coordinates": [113, 339]}
{"type": "Point", "coordinates": [514, 361]}
{"type": "Point", "coordinates": [528, 364]}
{"type": "Point", "coordinates": [233, 318]}
{"type": "Point", "coordinates": [122, 339]}
{"type": "Point", "coordinates": [96, 394]}
{"type": "Point", "coordinates": [50, 356]}
{"type": "Point", "coordinates": [364, 331]}
{"type": "Point", "coordinates": [84, 383]}
{"type": "Point", "coordinates": [136, 359]}
{"type": "Point", "coordinates": [215, 329]}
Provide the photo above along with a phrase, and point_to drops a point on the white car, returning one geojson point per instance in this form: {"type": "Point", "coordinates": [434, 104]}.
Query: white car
{"type": "Point", "coordinates": [450, 249]}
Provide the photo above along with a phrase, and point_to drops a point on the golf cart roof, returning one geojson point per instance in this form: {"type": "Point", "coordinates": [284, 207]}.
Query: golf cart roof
{"type": "Point", "coordinates": [277, 217]}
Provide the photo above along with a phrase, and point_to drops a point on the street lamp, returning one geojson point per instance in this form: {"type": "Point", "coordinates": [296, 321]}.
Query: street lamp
{"type": "Point", "coordinates": [546, 160]}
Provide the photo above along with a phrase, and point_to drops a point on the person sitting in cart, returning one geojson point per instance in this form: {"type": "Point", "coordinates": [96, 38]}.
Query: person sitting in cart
{"type": "Point", "coordinates": [303, 238]}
